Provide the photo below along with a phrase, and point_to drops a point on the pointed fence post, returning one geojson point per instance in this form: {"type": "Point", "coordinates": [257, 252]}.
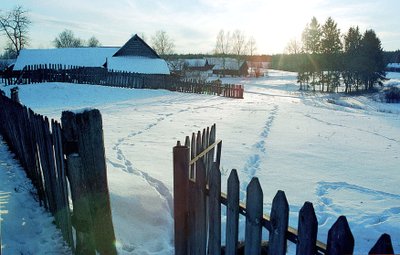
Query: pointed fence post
{"type": "Point", "coordinates": [307, 231]}
{"type": "Point", "coordinates": [214, 243]}
{"type": "Point", "coordinates": [279, 224]}
{"type": "Point", "coordinates": [382, 246]}
{"type": "Point", "coordinates": [232, 214]}
{"type": "Point", "coordinates": [181, 178]}
{"type": "Point", "coordinates": [254, 214]}
{"type": "Point", "coordinates": [340, 238]}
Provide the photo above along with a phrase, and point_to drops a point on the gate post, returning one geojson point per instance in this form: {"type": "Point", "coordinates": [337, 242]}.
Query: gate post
{"type": "Point", "coordinates": [181, 178]}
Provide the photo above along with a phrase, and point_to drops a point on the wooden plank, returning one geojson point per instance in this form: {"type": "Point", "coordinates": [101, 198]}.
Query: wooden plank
{"type": "Point", "coordinates": [192, 156]}
{"type": "Point", "coordinates": [204, 152]}
{"type": "Point", "coordinates": [181, 178]}
{"type": "Point", "coordinates": [232, 214]}
{"type": "Point", "coordinates": [62, 184]}
{"type": "Point", "coordinates": [200, 224]}
{"type": "Point", "coordinates": [382, 246]}
{"type": "Point", "coordinates": [214, 244]}
{"type": "Point", "coordinates": [340, 239]}
{"type": "Point", "coordinates": [254, 204]}
{"type": "Point", "coordinates": [279, 224]}
{"type": "Point", "coordinates": [307, 231]}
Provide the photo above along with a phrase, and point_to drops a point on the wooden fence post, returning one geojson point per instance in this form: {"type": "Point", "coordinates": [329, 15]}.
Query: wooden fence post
{"type": "Point", "coordinates": [254, 205]}
{"type": "Point", "coordinates": [86, 129]}
{"type": "Point", "coordinates": [382, 246]}
{"type": "Point", "coordinates": [340, 239]}
{"type": "Point", "coordinates": [181, 178]}
{"type": "Point", "coordinates": [232, 214]}
{"type": "Point", "coordinates": [214, 243]}
{"type": "Point", "coordinates": [82, 220]}
{"type": "Point", "coordinates": [279, 224]}
{"type": "Point", "coordinates": [307, 231]}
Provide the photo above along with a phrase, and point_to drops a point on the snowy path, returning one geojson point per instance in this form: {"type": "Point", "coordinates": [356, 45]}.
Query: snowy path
{"type": "Point", "coordinates": [341, 154]}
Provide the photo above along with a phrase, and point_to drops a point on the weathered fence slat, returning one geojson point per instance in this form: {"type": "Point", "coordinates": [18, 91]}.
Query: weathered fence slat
{"type": "Point", "coordinates": [181, 176]}
{"type": "Point", "coordinates": [232, 214]}
{"type": "Point", "coordinates": [214, 244]}
{"type": "Point", "coordinates": [340, 239]}
{"type": "Point", "coordinates": [254, 205]}
{"type": "Point", "coordinates": [279, 224]}
{"type": "Point", "coordinates": [307, 230]}
{"type": "Point", "coordinates": [200, 225]}
{"type": "Point", "coordinates": [382, 246]}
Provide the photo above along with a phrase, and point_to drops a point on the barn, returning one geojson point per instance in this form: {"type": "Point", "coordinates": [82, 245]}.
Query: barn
{"type": "Point", "coordinates": [135, 56]}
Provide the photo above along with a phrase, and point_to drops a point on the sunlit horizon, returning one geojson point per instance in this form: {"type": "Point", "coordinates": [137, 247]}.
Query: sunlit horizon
{"type": "Point", "coordinates": [194, 25]}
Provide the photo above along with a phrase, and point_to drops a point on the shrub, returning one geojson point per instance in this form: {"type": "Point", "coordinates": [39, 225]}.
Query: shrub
{"type": "Point", "coordinates": [392, 95]}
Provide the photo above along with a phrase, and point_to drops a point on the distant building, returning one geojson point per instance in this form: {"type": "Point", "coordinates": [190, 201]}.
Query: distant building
{"type": "Point", "coordinates": [192, 69]}
{"type": "Point", "coordinates": [135, 56]}
{"type": "Point", "coordinates": [229, 66]}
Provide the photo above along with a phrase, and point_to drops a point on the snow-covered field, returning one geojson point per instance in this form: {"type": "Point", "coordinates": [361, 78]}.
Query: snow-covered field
{"type": "Point", "coordinates": [342, 154]}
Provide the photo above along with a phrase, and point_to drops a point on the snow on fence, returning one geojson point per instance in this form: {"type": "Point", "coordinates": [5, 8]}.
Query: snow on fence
{"type": "Point", "coordinates": [197, 211]}
{"type": "Point", "coordinates": [65, 163]}
{"type": "Point", "coordinates": [101, 76]}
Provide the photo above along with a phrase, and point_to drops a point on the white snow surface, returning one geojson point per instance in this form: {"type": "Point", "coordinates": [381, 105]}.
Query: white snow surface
{"type": "Point", "coordinates": [397, 65]}
{"type": "Point", "coordinates": [340, 153]}
{"type": "Point", "coordinates": [137, 64]}
{"type": "Point", "coordinates": [85, 56]}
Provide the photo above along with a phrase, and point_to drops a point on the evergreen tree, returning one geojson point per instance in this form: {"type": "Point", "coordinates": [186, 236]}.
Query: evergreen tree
{"type": "Point", "coordinates": [331, 46]}
{"type": "Point", "coordinates": [372, 67]}
{"type": "Point", "coordinates": [351, 58]}
{"type": "Point", "coordinates": [312, 37]}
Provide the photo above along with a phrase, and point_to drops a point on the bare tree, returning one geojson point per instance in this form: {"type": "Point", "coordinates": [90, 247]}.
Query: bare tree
{"type": "Point", "coordinates": [251, 46]}
{"type": "Point", "coordinates": [238, 43]}
{"type": "Point", "coordinates": [93, 42]}
{"type": "Point", "coordinates": [162, 43]}
{"type": "Point", "coordinates": [223, 46]}
{"type": "Point", "coordinates": [293, 47]}
{"type": "Point", "coordinates": [67, 39]}
{"type": "Point", "coordinates": [15, 25]}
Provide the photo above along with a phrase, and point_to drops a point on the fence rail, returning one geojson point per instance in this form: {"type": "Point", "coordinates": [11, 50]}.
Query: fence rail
{"type": "Point", "coordinates": [101, 76]}
{"type": "Point", "coordinates": [197, 209]}
{"type": "Point", "coordinates": [41, 146]}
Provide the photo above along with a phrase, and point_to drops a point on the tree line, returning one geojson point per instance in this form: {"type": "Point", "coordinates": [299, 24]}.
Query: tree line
{"type": "Point", "coordinates": [326, 60]}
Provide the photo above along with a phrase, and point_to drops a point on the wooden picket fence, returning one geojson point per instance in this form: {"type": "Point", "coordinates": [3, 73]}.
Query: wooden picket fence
{"type": "Point", "coordinates": [59, 162]}
{"type": "Point", "coordinates": [197, 211]}
{"type": "Point", "coordinates": [101, 76]}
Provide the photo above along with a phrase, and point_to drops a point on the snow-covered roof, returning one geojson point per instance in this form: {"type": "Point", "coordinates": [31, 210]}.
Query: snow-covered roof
{"type": "Point", "coordinates": [134, 64]}
{"type": "Point", "coordinates": [394, 65]}
{"type": "Point", "coordinates": [87, 57]}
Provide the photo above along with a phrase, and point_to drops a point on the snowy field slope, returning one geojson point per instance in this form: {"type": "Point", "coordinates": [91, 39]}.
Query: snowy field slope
{"type": "Point", "coordinates": [342, 154]}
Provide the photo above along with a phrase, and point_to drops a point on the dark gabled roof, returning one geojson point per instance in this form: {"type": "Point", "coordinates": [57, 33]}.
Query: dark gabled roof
{"type": "Point", "coordinates": [136, 47]}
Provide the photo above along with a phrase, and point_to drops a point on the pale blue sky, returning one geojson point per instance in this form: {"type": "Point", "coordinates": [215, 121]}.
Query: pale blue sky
{"type": "Point", "coordinates": [194, 24]}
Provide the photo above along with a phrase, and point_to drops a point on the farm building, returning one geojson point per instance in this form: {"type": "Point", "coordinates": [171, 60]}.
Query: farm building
{"type": "Point", "coordinates": [135, 57]}
{"type": "Point", "coordinates": [229, 66]}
